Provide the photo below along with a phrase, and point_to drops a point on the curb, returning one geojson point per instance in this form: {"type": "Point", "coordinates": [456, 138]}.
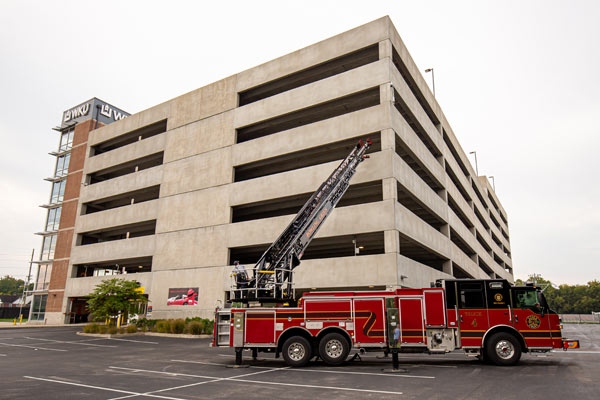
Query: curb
{"type": "Point", "coordinates": [170, 335]}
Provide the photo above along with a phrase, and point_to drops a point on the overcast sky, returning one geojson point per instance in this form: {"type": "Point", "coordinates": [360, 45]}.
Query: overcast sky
{"type": "Point", "coordinates": [519, 82]}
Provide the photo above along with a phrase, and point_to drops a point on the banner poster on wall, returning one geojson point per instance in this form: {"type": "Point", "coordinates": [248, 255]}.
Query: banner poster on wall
{"type": "Point", "coordinates": [183, 296]}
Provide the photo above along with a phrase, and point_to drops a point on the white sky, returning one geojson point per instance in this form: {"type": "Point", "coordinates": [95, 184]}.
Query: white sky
{"type": "Point", "coordinates": [518, 80]}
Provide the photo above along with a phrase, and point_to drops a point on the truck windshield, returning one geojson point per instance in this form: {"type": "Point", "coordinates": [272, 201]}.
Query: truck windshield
{"type": "Point", "coordinates": [542, 301]}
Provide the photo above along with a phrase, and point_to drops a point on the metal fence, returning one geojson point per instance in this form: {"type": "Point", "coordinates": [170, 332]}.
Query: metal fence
{"type": "Point", "coordinates": [13, 312]}
{"type": "Point", "coordinates": [593, 318]}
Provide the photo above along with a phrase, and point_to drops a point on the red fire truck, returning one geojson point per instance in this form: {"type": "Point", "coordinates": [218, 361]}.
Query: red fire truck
{"type": "Point", "coordinates": [486, 318]}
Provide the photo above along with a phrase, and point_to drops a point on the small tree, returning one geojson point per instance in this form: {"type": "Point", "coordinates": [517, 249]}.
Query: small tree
{"type": "Point", "coordinates": [113, 297]}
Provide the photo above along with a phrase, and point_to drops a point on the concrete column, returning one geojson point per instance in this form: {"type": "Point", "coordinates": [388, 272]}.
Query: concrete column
{"type": "Point", "coordinates": [447, 268]}
{"type": "Point", "coordinates": [445, 230]}
{"type": "Point", "coordinates": [390, 189]}
{"type": "Point", "coordinates": [385, 49]}
{"type": "Point", "coordinates": [388, 139]}
{"type": "Point", "coordinates": [386, 93]}
{"type": "Point", "coordinates": [391, 241]}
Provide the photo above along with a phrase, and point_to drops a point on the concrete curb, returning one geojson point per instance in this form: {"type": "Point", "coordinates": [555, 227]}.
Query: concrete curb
{"type": "Point", "coordinates": [170, 335]}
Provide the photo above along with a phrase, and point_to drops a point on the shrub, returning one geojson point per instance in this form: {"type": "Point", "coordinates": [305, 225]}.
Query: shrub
{"type": "Point", "coordinates": [92, 328]}
{"type": "Point", "coordinates": [176, 325]}
{"type": "Point", "coordinates": [112, 330]}
{"type": "Point", "coordinates": [122, 330]}
{"type": "Point", "coordinates": [162, 326]}
{"type": "Point", "coordinates": [102, 329]}
{"type": "Point", "coordinates": [131, 329]}
{"type": "Point", "coordinates": [208, 326]}
{"type": "Point", "coordinates": [195, 327]}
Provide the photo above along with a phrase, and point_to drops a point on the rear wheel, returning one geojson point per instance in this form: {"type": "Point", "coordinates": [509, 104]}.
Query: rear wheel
{"type": "Point", "coordinates": [334, 348]}
{"type": "Point", "coordinates": [296, 351]}
{"type": "Point", "coordinates": [503, 349]}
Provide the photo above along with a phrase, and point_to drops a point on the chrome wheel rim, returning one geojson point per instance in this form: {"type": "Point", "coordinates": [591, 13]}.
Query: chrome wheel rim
{"type": "Point", "coordinates": [505, 349]}
{"type": "Point", "coordinates": [296, 351]}
{"type": "Point", "coordinates": [334, 348]}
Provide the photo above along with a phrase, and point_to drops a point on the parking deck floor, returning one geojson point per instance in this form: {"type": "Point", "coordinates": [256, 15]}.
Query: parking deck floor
{"type": "Point", "coordinates": [56, 363]}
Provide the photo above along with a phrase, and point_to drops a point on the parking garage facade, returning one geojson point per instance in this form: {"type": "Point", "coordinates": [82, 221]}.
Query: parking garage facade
{"type": "Point", "coordinates": [171, 196]}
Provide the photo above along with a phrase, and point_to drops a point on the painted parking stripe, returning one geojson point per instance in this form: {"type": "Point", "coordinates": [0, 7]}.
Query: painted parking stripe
{"type": "Point", "coordinates": [575, 352]}
{"type": "Point", "coordinates": [323, 370]}
{"type": "Point", "coordinates": [135, 341]}
{"type": "Point", "coordinates": [30, 347]}
{"type": "Point", "coordinates": [69, 342]}
{"type": "Point", "coordinates": [237, 379]}
{"type": "Point", "coordinates": [102, 388]}
{"type": "Point", "coordinates": [192, 384]}
{"type": "Point", "coordinates": [2, 355]}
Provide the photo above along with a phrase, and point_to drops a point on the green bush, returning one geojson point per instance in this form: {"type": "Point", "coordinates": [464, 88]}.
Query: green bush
{"type": "Point", "coordinates": [102, 329]}
{"type": "Point", "coordinates": [208, 326]}
{"type": "Point", "coordinates": [194, 327]}
{"type": "Point", "coordinates": [122, 330]}
{"type": "Point", "coordinates": [131, 329]}
{"type": "Point", "coordinates": [162, 326]}
{"type": "Point", "coordinates": [176, 325]}
{"type": "Point", "coordinates": [92, 328]}
{"type": "Point", "coordinates": [112, 330]}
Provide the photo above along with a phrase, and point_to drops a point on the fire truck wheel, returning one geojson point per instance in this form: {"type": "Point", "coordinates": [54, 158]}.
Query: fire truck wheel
{"type": "Point", "coordinates": [503, 349]}
{"type": "Point", "coordinates": [296, 351]}
{"type": "Point", "coordinates": [334, 349]}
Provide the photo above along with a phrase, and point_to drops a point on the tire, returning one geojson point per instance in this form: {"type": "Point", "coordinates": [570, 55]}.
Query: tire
{"type": "Point", "coordinates": [296, 351]}
{"type": "Point", "coordinates": [503, 349]}
{"type": "Point", "coordinates": [334, 348]}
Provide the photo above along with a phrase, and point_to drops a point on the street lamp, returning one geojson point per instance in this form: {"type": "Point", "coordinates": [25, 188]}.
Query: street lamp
{"type": "Point", "coordinates": [476, 168]}
{"type": "Point", "coordinates": [432, 78]}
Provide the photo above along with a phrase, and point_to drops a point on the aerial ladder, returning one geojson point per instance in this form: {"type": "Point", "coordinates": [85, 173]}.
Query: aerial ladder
{"type": "Point", "coordinates": [272, 278]}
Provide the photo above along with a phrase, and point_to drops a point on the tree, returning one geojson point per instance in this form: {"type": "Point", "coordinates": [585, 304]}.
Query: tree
{"type": "Point", "coordinates": [113, 297]}
{"type": "Point", "coordinates": [568, 299]}
{"type": "Point", "coordinates": [10, 285]}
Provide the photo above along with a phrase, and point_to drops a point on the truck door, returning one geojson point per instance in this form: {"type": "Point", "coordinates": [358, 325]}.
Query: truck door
{"type": "Point", "coordinates": [527, 313]}
{"type": "Point", "coordinates": [498, 302]}
{"type": "Point", "coordinates": [472, 313]}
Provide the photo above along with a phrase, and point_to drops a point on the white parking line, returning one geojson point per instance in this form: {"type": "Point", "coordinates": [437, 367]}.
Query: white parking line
{"type": "Point", "coordinates": [188, 385]}
{"type": "Point", "coordinates": [2, 355]}
{"type": "Point", "coordinates": [237, 379]}
{"type": "Point", "coordinates": [351, 372]}
{"type": "Point", "coordinates": [69, 342]}
{"type": "Point", "coordinates": [102, 388]}
{"type": "Point", "coordinates": [30, 347]}
{"type": "Point", "coordinates": [135, 341]}
{"type": "Point", "coordinates": [575, 352]}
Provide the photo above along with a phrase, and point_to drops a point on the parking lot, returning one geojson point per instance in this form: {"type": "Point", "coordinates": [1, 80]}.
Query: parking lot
{"type": "Point", "coordinates": [56, 363]}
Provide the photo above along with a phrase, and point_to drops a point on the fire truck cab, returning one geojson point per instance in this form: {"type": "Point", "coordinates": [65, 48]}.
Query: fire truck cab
{"type": "Point", "coordinates": [490, 319]}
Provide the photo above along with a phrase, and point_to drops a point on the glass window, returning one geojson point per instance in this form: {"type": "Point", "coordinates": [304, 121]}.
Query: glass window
{"type": "Point", "coordinates": [66, 140]}
{"type": "Point", "coordinates": [38, 307]}
{"type": "Point", "coordinates": [53, 219]}
{"type": "Point", "coordinates": [58, 191]}
{"type": "Point", "coordinates": [62, 165]}
{"type": "Point", "coordinates": [525, 298]}
{"type": "Point", "coordinates": [471, 295]}
{"type": "Point", "coordinates": [48, 246]}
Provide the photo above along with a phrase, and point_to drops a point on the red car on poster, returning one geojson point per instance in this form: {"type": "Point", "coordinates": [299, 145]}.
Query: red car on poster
{"type": "Point", "coordinates": [183, 297]}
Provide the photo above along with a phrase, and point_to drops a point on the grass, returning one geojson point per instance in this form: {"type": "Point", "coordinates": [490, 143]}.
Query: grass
{"type": "Point", "coordinates": [11, 320]}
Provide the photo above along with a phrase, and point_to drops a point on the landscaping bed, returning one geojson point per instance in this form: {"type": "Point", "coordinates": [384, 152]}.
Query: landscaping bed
{"type": "Point", "coordinates": [185, 328]}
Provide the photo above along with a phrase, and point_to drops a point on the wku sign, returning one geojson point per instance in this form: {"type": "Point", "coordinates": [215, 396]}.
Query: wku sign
{"type": "Point", "coordinates": [94, 108]}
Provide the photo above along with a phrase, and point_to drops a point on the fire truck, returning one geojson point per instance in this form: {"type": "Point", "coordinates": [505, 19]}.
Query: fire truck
{"type": "Point", "coordinates": [490, 318]}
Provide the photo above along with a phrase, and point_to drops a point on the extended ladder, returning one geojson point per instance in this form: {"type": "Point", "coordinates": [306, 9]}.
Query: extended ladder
{"type": "Point", "coordinates": [272, 274]}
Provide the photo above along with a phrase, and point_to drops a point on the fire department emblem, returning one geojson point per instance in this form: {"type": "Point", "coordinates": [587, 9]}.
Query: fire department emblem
{"type": "Point", "coordinates": [498, 297]}
{"type": "Point", "coordinates": [533, 322]}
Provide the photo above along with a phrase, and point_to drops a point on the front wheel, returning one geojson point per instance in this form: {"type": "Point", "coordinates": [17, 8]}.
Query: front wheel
{"type": "Point", "coordinates": [334, 348]}
{"type": "Point", "coordinates": [503, 349]}
{"type": "Point", "coordinates": [297, 351]}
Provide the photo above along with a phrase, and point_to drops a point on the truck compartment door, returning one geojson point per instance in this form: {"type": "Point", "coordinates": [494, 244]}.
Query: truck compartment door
{"type": "Point", "coordinates": [435, 309]}
{"type": "Point", "coordinates": [260, 327]}
{"type": "Point", "coordinates": [411, 321]}
{"type": "Point", "coordinates": [369, 322]}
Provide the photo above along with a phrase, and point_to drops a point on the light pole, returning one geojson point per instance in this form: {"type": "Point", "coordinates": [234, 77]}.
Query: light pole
{"type": "Point", "coordinates": [476, 168]}
{"type": "Point", "coordinates": [493, 182]}
{"type": "Point", "coordinates": [432, 79]}
{"type": "Point", "coordinates": [24, 295]}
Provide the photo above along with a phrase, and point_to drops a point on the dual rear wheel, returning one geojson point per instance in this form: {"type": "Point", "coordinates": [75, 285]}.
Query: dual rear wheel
{"type": "Point", "coordinates": [333, 349]}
